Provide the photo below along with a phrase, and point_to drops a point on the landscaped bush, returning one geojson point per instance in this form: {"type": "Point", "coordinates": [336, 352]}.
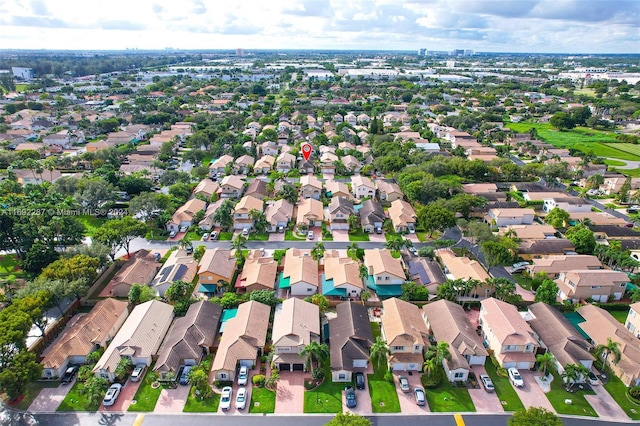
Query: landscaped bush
{"type": "Point", "coordinates": [388, 376]}
{"type": "Point", "coordinates": [634, 392]}
{"type": "Point", "coordinates": [502, 372]}
{"type": "Point", "coordinates": [258, 380]}
{"type": "Point", "coordinates": [433, 380]}
{"type": "Point", "coordinates": [318, 374]}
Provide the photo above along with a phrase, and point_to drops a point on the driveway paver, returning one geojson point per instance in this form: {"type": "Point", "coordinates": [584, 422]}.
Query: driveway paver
{"type": "Point", "coordinates": [531, 394]}
{"type": "Point", "coordinates": [125, 398]}
{"type": "Point", "coordinates": [484, 401]}
{"type": "Point", "coordinates": [172, 400]}
{"type": "Point", "coordinates": [605, 406]}
{"type": "Point", "coordinates": [49, 399]}
{"type": "Point", "coordinates": [290, 392]}
{"type": "Point", "coordinates": [407, 400]}
{"type": "Point", "coordinates": [340, 235]}
{"type": "Point", "coordinates": [233, 410]}
{"type": "Point", "coordinates": [377, 238]}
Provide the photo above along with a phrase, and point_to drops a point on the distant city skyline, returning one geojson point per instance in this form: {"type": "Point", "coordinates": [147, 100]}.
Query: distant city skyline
{"type": "Point", "coordinates": [541, 26]}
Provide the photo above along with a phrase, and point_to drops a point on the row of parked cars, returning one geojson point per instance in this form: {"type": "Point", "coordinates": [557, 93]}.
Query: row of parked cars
{"type": "Point", "coordinates": [418, 392]}
{"type": "Point", "coordinates": [241, 396]}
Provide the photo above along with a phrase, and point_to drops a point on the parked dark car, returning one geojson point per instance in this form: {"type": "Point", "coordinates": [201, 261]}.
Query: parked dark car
{"type": "Point", "coordinates": [69, 374]}
{"type": "Point", "coordinates": [350, 395]}
{"type": "Point", "coordinates": [359, 380]}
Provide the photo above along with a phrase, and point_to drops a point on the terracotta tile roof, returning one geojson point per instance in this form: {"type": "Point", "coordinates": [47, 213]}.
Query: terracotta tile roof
{"type": "Point", "coordinates": [219, 261]}
{"type": "Point", "coordinates": [350, 335]}
{"type": "Point", "coordinates": [310, 208]}
{"type": "Point", "coordinates": [403, 324]}
{"type": "Point", "coordinates": [507, 324]}
{"type": "Point", "coordinates": [84, 332]}
{"type": "Point", "coordinates": [280, 211]}
{"type": "Point", "coordinates": [296, 323]}
{"type": "Point", "coordinates": [556, 264]}
{"type": "Point", "coordinates": [259, 271]}
{"type": "Point", "coordinates": [380, 261]}
{"type": "Point", "coordinates": [300, 268]}
{"type": "Point", "coordinates": [342, 270]}
{"type": "Point", "coordinates": [461, 267]}
{"type": "Point", "coordinates": [206, 187]}
{"type": "Point", "coordinates": [233, 181]}
{"type": "Point", "coordinates": [264, 162]}
{"type": "Point", "coordinates": [248, 203]}
{"type": "Point", "coordinates": [401, 213]}
{"type": "Point", "coordinates": [188, 210]}
{"type": "Point", "coordinates": [530, 232]}
{"type": "Point", "coordinates": [310, 180]}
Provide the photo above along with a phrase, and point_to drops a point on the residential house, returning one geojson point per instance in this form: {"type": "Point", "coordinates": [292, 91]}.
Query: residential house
{"type": "Point", "coordinates": [632, 322]}
{"type": "Point", "coordinates": [83, 334]}
{"type": "Point", "coordinates": [178, 266]}
{"type": "Point", "coordinates": [612, 232]}
{"type": "Point", "coordinates": [257, 189]}
{"type": "Point", "coordinates": [139, 338]}
{"type": "Point", "coordinates": [300, 273]}
{"type": "Point", "coordinates": [310, 187]}
{"type": "Point", "coordinates": [372, 216]}
{"type": "Point", "coordinates": [306, 166]}
{"type": "Point", "coordinates": [340, 209]}
{"type": "Point", "coordinates": [568, 204]}
{"type": "Point", "coordinates": [264, 164]}
{"type": "Point", "coordinates": [531, 249]}
{"type": "Point", "coordinates": [243, 340]}
{"type": "Point", "coordinates": [351, 338]}
{"type": "Point", "coordinates": [388, 191]}
{"type": "Point", "coordinates": [386, 273]}
{"type": "Point", "coordinates": [362, 186]}
{"type": "Point", "coordinates": [189, 339]}
{"type": "Point", "coordinates": [406, 334]}
{"type": "Point", "coordinates": [463, 268]}
{"type": "Point", "coordinates": [596, 218]}
{"type": "Point", "coordinates": [448, 322]}
{"type": "Point", "coordinates": [310, 212]}
{"type": "Point", "coordinates": [352, 163]}
{"type": "Point", "coordinates": [220, 165]}
{"type": "Point", "coordinates": [141, 268]}
{"type": "Point", "coordinates": [426, 273]}
{"type": "Point", "coordinates": [296, 323]}
{"type": "Point", "coordinates": [243, 164]}
{"type": "Point", "coordinates": [278, 214]}
{"type": "Point", "coordinates": [554, 265]}
{"type": "Point", "coordinates": [217, 266]}
{"type": "Point", "coordinates": [599, 285]}
{"type": "Point", "coordinates": [560, 337]}
{"type": "Point", "coordinates": [26, 176]}
{"type": "Point", "coordinates": [268, 148]}
{"type": "Point", "coordinates": [206, 188]}
{"type": "Point", "coordinates": [334, 189]}
{"type": "Point", "coordinates": [530, 232]}
{"type": "Point", "coordinates": [507, 334]}
{"type": "Point", "coordinates": [479, 188]}
{"type": "Point", "coordinates": [258, 273]}
{"type": "Point", "coordinates": [183, 217]}
{"type": "Point", "coordinates": [506, 217]}
{"type": "Point", "coordinates": [285, 162]}
{"type": "Point", "coordinates": [341, 276]}
{"type": "Point", "coordinates": [232, 186]}
{"type": "Point", "coordinates": [208, 223]}
{"type": "Point", "coordinates": [241, 214]}
{"type": "Point", "coordinates": [601, 326]}
{"type": "Point", "coordinates": [403, 216]}
{"type": "Point", "coordinates": [327, 160]}
{"type": "Point", "coordinates": [62, 140]}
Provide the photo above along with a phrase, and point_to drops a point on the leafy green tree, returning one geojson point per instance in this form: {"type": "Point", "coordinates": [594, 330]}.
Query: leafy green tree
{"type": "Point", "coordinates": [447, 291]}
{"type": "Point", "coordinates": [558, 218]}
{"type": "Point", "coordinates": [314, 351]}
{"type": "Point", "coordinates": [124, 367]}
{"type": "Point", "coordinates": [178, 291]}
{"type": "Point", "coordinates": [118, 233]}
{"type": "Point", "coordinates": [94, 388]}
{"type": "Point", "coordinates": [79, 267]}
{"type": "Point", "coordinates": [561, 121]}
{"type": "Point", "coordinates": [267, 297]}
{"type": "Point", "coordinates": [413, 291]}
{"type": "Point", "coordinates": [534, 416]}
{"type": "Point", "coordinates": [547, 292]}
{"type": "Point", "coordinates": [582, 238]}
{"type": "Point", "coordinates": [479, 232]}
{"type": "Point", "coordinates": [140, 293]}
{"type": "Point", "coordinates": [199, 252]}
{"type": "Point", "coordinates": [320, 301]}
{"type": "Point", "coordinates": [148, 204]}
{"type": "Point", "coordinates": [435, 217]}
{"type": "Point", "coordinates": [499, 252]}
{"type": "Point", "coordinates": [546, 361]}
{"type": "Point", "coordinates": [503, 289]}
{"type": "Point", "coordinates": [229, 300]}
{"type": "Point", "coordinates": [349, 419]}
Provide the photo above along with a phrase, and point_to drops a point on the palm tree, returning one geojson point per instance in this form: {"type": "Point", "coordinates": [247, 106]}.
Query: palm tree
{"type": "Point", "coordinates": [611, 348]}
{"type": "Point", "coordinates": [314, 351]}
{"type": "Point", "coordinates": [364, 272]}
{"type": "Point", "coordinates": [573, 373]}
{"type": "Point", "coordinates": [364, 296]}
{"type": "Point", "coordinates": [353, 223]}
{"type": "Point", "coordinates": [185, 244]}
{"type": "Point", "coordinates": [318, 251]}
{"type": "Point", "coordinates": [239, 244]}
{"type": "Point", "coordinates": [438, 353]}
{"type": "Point", "coordinates": [352, 248]}
{"type": "Point", "coordinates": [395, 244]}
{"type": "Point", "coordinates": [546, 361]}
{"type": "Point", "coordinates": [429, 366]}
{"type": "Point", "coordinates": [379, 351]}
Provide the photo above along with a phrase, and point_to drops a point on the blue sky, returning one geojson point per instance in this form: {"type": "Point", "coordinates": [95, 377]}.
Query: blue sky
{"type": "Point", "coordinates": [574, 26]}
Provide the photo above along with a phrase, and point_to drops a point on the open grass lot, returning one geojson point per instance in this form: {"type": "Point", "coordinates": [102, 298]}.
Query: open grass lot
{"type": "Point", "coordinates": [579, 405]}
{"type": "Point", "coordinates": [446, 398]}
{"type": "Point", "coordinates": [358, 236]}
{"type": "Point", "coordinates": [627, 147]}
{"type": "Point", "coordinates": [263, 236]}
{"type": "Point", "coordinates": [621, 316]}
{"type": "Point", "coordinates": [380, 389]}
{"type": "Point", "coordinates": [225, 236]}
{"type": "Point", "coordinates": [602, 144]}
{"type": "Point", "coordinates": [614, 163]}
{"type": "Point", "coordinates": [76, 401]}
{"type": "Point", "coordinates": [22, 87]}
{"type": "Point", "coordinates": [618, 391]}
{"type": "Point", "coordinates": [506, 394]}
{"type": "Point", "coordinates": [146, 397]}
{"type": "Point", "coordinates": [91, 223]}
{"type": "Point", "coordinates": [197, 405]}
{"type": "Point", "coordinates": [265, 398]}
{"type": "Point", "coordinates": [326, 398]}
{"type": "Point", "coordinates": [30, 393]}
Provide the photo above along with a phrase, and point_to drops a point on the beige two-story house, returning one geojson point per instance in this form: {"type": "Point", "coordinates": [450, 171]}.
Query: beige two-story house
{"type": "Point", "coordinates": [296, 324]}
{"type": "Point", "coordinates": [406, 334]}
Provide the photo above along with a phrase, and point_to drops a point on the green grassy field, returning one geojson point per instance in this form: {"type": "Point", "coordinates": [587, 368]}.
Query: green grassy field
{"type": "Point", "coordinates": [506, 394]}
{"type": "Point", "coordinates": [579, 405]}
{"type": "Point", "coordinates": [326, 398]}
{"type": "Point", "coordinates": [77, 401]}
{"type": "Point", "coordinates": [446, 398]}
{"type": "Point", "coordinates": [618, 391]}
{"type": "Point", "coordinates": [197, 405]}
{"type": "Point", "coordinates": [600, 143]}
{"type": "Point", "coordinates": [91, 223]}
{"type": "Point", "coordinates": [265, 399]}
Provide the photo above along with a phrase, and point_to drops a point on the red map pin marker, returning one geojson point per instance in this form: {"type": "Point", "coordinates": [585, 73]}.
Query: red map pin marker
{"type": "Point", "coordinates": [306, 150]}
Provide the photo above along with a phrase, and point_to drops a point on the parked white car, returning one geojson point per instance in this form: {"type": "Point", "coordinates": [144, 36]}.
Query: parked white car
{"type": "Point", "coordinates": [225, 399]}
{"type": "Point", "coordinates": [241, 398]}
{"type": "Point", "coordinates": [112, 394]}
{"type": "Point", "coordinates": [243, 376]}
{"type": "Point", "coordinates": [515, 377]}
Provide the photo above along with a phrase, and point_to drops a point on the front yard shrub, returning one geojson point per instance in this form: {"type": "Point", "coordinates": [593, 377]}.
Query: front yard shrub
{"type": "Point", "coordinates": [258, 380]}
{"type": "Point", "coordinates": [433, 380]}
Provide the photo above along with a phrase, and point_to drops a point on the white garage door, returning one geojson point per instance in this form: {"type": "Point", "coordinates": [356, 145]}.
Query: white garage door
{"type": "Point", "coordinates": [412, 366]}
{"type": "Point", "coordinates": [398, 366]}
{"type": "Point", "coordinates": [246, 363]}
{"type": "Point", "coordinates": [509, 364]}
{"type": "Point", "coordinates": [359, 363]}
{"type": "Point", "coordinates": [523, 366]}
{"type": "Point", "coordinates": [341, 226]}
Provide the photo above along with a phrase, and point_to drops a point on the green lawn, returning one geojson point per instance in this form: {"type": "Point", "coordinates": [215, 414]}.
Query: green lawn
{"type": "Point", "coordinates": [579, 405]}
{"type": "Point", "coordinates": [614, 163]}
{"type": "Point", "coordinates": [9, 265]}
{"type": "Point", "coordinates": [22, 87]}
{"type": "Point", "coordinates": [525, 282]}
{"type": "Point", "coordinates": [156, 235]}
{"type": "Point", "coordinates": [146, 397]}
{"type": "Point", "coordinates": [76, 401]}
{"type": "Point", "coordinates": [32, 390]}
{"type": "Point", "coordinates": [359, 235]}
{"type": "Point", "coordinates": [326, 398]}
{"type": "Point", "coordinates": [618, 391]}
{"type": "Point", "coordinates": [197, 405]}
{"type": "Point", "coordinates": [225, 236]}
{"type": "Point", "coordinates": [627, 147]}
{"type": "Point", "coordinates": [91, 223]}
{"type": "Point", "coordinates": [265, 400]}
{"type": "Point", "coordinates": [446, 398]}
{"type": "Point", "coordinates": [602, 144]}
{"type": "Point", "coordinates": [506, 394]}
{"type": "Point", "coordinates": [621, 316]}
{"type": "Point", "coordinates": [263, 236]}
{"type": "Point", "coordinates": [192, 236]}
{"type": "Point", "coordinates": [380, 389]}
{"type": "Point", "coordinates": [289, 235]}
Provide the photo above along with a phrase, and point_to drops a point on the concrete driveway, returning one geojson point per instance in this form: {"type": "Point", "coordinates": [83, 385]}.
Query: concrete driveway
{"type": "Point", "coordinates": [233, 410]}
{"type": "Point", "coordinates": [172, 400]}
{"type": "Point", "coordinates": [407, 400]}
{"type": "Point", "coordinates": [290, 392]}
{"type": "Point", "coordinates": [377, 238]}
{"type": "Point", "coordinates": [484, 401]}
{"type": "Point", "coordinates": [605, 406]}
{"type": "Point", "coordinates": [340, 235]}
{"type": "Point", "coordinates": [276, 236]}
{"type": "Point", "coordinates": [125, 398]}
{"type": "Point", "coordinates": [363, 397]}
{"type": "Point", "coordinates": [531, 394]}
{"type": "Point", "coordinates": [49, 399]}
